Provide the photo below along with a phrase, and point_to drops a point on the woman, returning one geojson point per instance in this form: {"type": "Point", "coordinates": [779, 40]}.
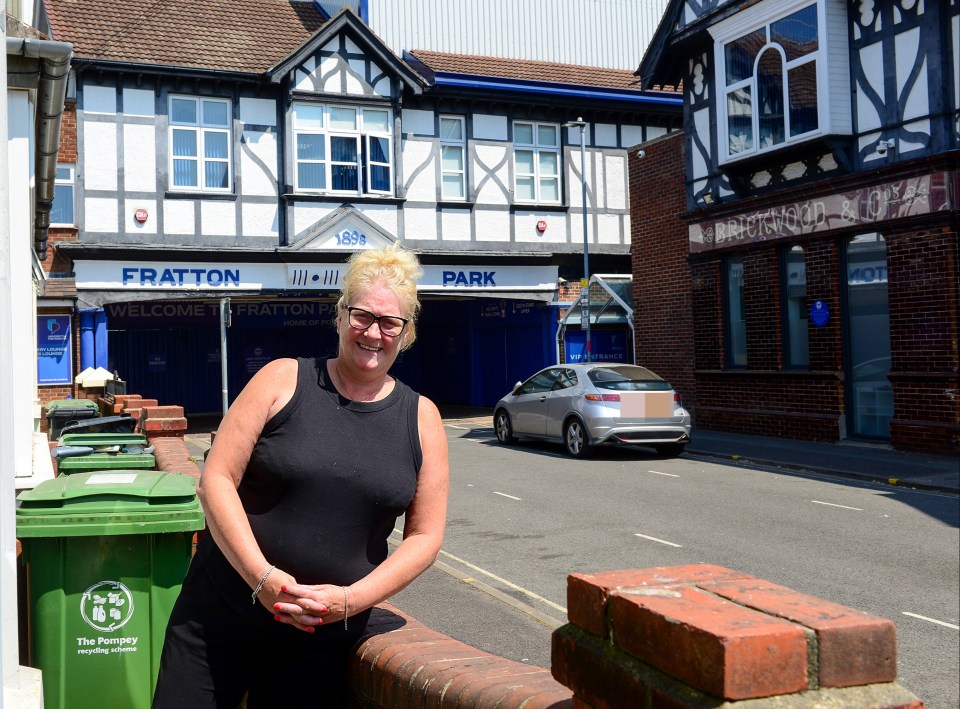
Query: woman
{"type": "Point", "coordinates": [309, 471]}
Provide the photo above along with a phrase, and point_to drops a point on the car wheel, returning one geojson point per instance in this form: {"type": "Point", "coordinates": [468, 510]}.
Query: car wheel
{"type": "Point", "coordinates": [501, 424]}
{"type": "Point", "coordinates": [670, 450]}
{"type": "Point", "coordinates": [575, 439]}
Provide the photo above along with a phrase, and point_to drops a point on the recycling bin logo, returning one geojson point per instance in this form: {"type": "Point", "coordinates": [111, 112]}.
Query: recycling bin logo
{"type": "Point", "coordinates": [106, 606]}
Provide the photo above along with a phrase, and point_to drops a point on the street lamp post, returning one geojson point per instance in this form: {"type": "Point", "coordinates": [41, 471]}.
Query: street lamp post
{"type": "Point", "coordinates": [585, 281]}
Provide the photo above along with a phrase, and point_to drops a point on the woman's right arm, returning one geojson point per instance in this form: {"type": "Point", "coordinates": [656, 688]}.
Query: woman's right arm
{"type": "Point", "coordinates": [269, 390]}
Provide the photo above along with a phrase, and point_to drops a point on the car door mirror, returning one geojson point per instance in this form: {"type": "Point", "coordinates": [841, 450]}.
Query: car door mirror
{"type": "Point", "coordinates": [516, 387]}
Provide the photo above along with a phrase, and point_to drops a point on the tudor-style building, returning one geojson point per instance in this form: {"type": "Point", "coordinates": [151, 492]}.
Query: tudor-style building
{"type": "Point", "coordinates": [247, 163]}
{"type": "Point", "coordinates": [816, 218]}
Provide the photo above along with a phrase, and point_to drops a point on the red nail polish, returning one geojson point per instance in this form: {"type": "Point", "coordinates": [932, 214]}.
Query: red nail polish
{"type": "Point", "coordinates": [283, 588]}
{"type": "Point", "coordinates": [276, 617]}
{"type": "Point", "coordinates": [311, 630]}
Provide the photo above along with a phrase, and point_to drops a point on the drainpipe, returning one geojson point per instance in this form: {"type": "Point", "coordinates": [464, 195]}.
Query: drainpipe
{"type": "Point", "coordinates": [52, 90]}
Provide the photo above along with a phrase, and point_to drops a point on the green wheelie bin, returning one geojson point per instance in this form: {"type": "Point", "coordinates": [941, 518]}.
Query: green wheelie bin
{"type": "Point", "coordinates": [108, 451]}
{"type": "Point", "coordinates": [105, 554]}
{"type": "Point", "coordinates": [64, 411]}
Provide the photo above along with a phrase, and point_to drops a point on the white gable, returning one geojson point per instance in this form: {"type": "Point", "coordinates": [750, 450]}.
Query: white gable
{"type": "Point", "coordinates": [340, 67]}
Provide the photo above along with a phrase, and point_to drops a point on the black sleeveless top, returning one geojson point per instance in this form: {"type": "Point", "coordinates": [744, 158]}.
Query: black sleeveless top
{"type": "Point", "coordinates": [324, 486]}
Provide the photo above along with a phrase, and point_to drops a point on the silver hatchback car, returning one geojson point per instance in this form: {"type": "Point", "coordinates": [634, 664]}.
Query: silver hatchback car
{"type": "Point", "coordinates": [586, 405]}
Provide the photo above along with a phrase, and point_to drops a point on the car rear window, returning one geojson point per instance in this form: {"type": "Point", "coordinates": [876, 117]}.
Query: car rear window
{"type": "Point", "coordinates": [627, 378]}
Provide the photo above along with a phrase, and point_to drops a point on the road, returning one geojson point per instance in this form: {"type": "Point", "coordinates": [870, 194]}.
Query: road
{"type": "Point", "coordinates": [521, 518]}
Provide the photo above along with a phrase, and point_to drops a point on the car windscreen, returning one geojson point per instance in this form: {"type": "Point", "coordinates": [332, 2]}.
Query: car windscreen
{"type": "Point", "coordinates": [627, 377]}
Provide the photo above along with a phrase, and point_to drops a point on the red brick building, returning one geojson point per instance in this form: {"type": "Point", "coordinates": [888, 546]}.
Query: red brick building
{"type": "Point", "coordinates": [795, 258]}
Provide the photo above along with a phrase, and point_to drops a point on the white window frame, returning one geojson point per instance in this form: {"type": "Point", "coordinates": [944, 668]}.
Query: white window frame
{"type": "Point", "coordinates": [537, 150]}
{"type": "Point", "coordinates": [202, 129]}
{"type": "Point", "coordinates": [363, 137]}
{"type": "Point", "coordinates": [71, 182]}
{"type": "Point", "coordinates": [451, 144]}
{"type": "Point", "coordinates": [762, 16]}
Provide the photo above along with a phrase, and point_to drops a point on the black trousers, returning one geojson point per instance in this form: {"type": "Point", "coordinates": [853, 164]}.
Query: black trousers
{"type": "Point", "coordinates": [213, 656]}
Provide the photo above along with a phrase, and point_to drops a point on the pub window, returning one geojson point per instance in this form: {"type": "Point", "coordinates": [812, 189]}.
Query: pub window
{"type": "Point", "coordinates": [735, 324]}
{"type": "Point", "coordinates": [793, 297]}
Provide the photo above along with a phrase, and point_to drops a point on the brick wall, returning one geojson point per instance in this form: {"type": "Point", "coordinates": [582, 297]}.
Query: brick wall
{"type": "Point", "coordinates": [67, 152]}
{"type": "Point", "coordinates": [403, 663]}
{"type": "Point", "coordinates": [924, 301]}
{"type": "Point", "coordinates": [761, 296]}
{"type": "Point", "coordinates": [825, 343]}
{"type": "Point", "coordinates": [708, 305]}
{"type": "Point", "coordinates": [662, 299]}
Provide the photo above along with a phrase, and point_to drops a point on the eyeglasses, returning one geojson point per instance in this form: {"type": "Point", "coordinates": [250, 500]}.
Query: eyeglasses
{"type": "Point", "coordinates": [390, 325]}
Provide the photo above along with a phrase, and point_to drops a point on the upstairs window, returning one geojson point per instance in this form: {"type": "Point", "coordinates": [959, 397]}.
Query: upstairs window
{"type": "Point", "coordinates": [771, 78]}
{"type": "Point", "coordinates": [343, 149]}
{"type": "Point", "coordinates": [200, 144]}
{"type": "Point", "coordinates": [63, 190]}
{"type": "Point", "coordinates": [452, 158]}
{"type": "Point", "coordinates": [536, 162]}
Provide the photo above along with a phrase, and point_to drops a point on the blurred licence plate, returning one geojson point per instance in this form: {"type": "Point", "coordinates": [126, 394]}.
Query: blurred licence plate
{"type": "Point", "coordinates": [646, 404]}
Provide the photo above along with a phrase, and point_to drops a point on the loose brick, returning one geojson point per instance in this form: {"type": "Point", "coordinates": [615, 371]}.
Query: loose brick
{"type": "Point", "coordinates": [587, 594]}
{"type": "Point", "coordinates": [854, 648]}
{"type": "Point", "coordinates": [161, 412]}
{"type": "Point", "coordinates": [124, 399]}
{"type": "Point", "coordinates": [711, 644]}
{"type": "Point", "coordinates": [150, 425]}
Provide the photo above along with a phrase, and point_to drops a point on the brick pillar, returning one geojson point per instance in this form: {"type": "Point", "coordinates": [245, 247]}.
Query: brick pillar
{"type": "Point", "coordinates": [693, 636]}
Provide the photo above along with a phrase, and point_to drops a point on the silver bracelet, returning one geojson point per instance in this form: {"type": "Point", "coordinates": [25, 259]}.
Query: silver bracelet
{"type": "Point", "coordinates": [345, 607]}
{"type": "Point", "coordinates": [263, 579]}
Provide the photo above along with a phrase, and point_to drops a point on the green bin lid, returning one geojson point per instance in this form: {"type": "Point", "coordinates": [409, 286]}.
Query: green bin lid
{"type": "Point", "coordinates": [106, 461]}
{"type": "Point", "coordinates": [103, 439]}
{"type": "Point", "coordinates": [71, 404]}
{"type": "Point", "coordinates": [109, 502]}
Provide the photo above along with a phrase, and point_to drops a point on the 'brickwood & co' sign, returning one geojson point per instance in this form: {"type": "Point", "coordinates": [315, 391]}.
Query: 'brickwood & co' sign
{"type": "Point", "coordinates": [868, 206]}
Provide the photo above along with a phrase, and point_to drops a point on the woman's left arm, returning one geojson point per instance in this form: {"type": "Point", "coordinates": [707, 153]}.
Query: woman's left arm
{"type": "Point", "coordinates": [425, 520]}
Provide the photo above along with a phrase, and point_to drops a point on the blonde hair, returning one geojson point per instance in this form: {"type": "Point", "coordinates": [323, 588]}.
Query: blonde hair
{"type": "Point", "coordinates": [392, 266]}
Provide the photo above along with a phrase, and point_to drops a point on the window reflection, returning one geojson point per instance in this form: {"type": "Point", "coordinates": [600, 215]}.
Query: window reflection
{"type": "Point", "coordinates": [736, 324]}
{"type": "Point", "coordinates": [868, 354]}
{"type": "Point", "coordinates": [794, 296]}
{"type": "Point", "coordinates": [770, 97]}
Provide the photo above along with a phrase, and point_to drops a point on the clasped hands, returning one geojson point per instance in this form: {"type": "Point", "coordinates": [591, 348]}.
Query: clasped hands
{"type": "Point", "coordinates": [303, 607]}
